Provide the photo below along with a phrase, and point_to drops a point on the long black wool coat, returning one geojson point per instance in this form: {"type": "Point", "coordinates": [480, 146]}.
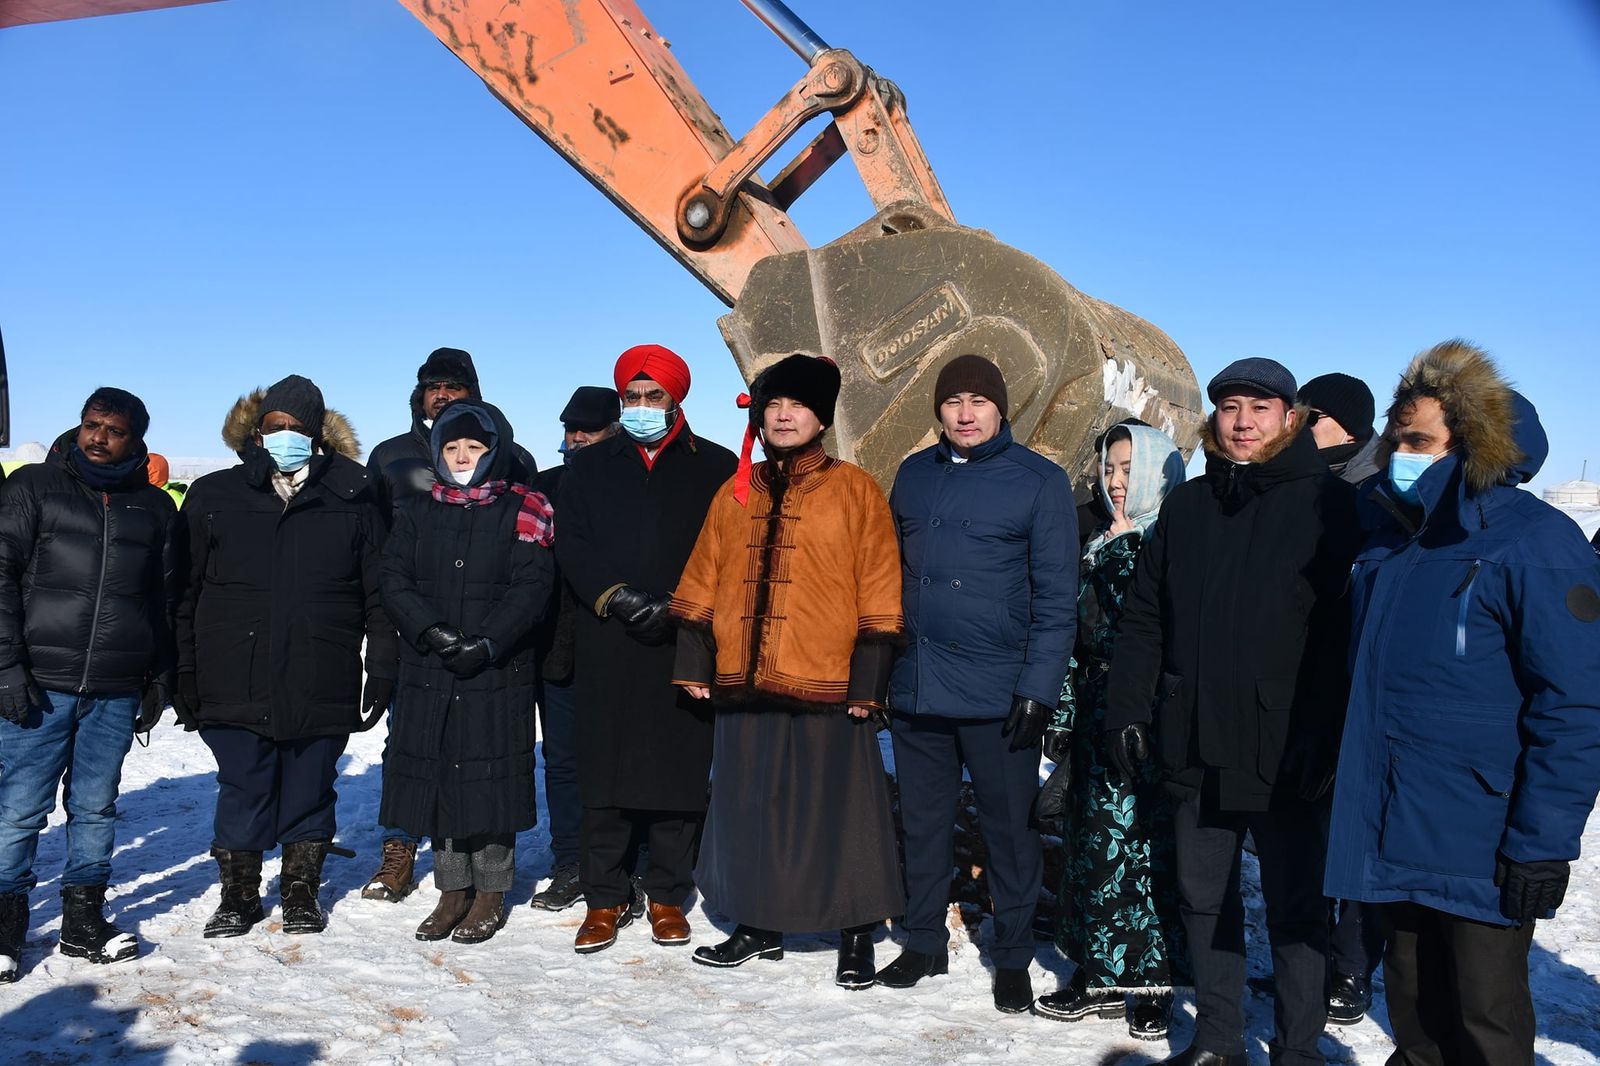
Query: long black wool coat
{"type": "Point", "coordinates": [642, 743]}
{"type": "Point", "coordinates": [461, 750]}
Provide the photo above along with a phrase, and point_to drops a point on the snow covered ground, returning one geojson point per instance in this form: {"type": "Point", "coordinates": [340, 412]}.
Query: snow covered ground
{"type": "Point", "coordinates": [367, 992]}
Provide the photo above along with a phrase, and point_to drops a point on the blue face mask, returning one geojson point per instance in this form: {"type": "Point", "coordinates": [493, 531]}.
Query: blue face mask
{"type": "Point", "coordinates": [1405, 470]}
{"type": "Point", "coordinates": [289, 450]}
{"type": "Point", "coordinates": [644, 424]}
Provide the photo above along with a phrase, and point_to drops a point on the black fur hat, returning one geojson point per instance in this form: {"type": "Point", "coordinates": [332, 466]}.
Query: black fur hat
{"type": "Point", "coordinates": [449, 364]}
{"type": "Point", "coordinates": [811, 380]}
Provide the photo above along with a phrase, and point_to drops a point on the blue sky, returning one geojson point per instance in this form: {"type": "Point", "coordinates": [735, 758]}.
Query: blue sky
{"type": "Point", "coordinates": [197, 201]}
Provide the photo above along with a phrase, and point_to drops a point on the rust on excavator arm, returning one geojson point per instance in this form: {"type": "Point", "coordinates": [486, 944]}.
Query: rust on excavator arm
{"type": "Point", "coordinates": [26, 12]}
{"type": "Point", "coordinates": [891, 301]}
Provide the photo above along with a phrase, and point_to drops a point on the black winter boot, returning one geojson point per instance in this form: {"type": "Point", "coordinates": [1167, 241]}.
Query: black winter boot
{"type": "Point", "coordinates": [13, 931]}
{"type": "Point", "coordinates": [746, 943]}
{"type": "Point", "coordinates": [856, 970]}
{"type": "Point", "coordinates": [240, 908]}
{"type": "Point", "coordinates": [299, 882]}
{"type": "Point", "coordinates": [911, 967]}
{"type": "Point", "coordinates": [85, 933]}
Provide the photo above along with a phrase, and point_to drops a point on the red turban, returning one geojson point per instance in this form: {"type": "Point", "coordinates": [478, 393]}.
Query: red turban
{"type": "Point", "coordinates": [656, 363]}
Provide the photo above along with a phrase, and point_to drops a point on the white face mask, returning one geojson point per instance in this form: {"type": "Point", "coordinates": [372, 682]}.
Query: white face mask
{"type": "Point", "coordinates": [463, 477]}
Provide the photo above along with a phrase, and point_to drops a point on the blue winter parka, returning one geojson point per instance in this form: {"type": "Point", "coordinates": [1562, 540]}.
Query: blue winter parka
{"type": "Point", "coordinates": [1474, 717]}
{"type": "Point", "coordinates": [989, 579]}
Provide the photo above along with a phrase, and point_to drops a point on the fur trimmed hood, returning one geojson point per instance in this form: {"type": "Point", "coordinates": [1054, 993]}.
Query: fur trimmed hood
{"type": "Point", "coordinates": [1269, 451]}
{"type": "Point", "coordinates": [1496, 430]}
{"type": "Point", "coordinates": [338, 435]}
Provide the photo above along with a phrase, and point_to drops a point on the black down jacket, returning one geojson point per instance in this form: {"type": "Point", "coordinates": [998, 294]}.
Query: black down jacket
{"type": "Point", "coordinates": [280, 596]}
{"type": "Point", "coordinates": [88, 579]}
{"type": "Point", "coordinates": [460, 757]}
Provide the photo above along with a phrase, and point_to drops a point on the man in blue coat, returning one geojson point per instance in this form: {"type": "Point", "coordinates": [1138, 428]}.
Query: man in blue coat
{"type": "Point", "coordinates": [1471, 755]}
{"type": "Point", "coordinates": [988, 542]}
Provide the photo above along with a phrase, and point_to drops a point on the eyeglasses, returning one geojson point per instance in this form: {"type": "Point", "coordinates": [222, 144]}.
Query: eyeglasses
{"type": "Point", "coordinates": [1314, 416]}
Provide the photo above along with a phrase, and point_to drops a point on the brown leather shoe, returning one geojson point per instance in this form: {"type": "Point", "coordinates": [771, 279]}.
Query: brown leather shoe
{"type": "Point", "coordinates": [447, 914]}
{"type": "Point", "coordinates": [487, 915]}
{"type": "Point", "coordinates": [668, 925]}
{"type": "Point", "coordinates": [599, 928]}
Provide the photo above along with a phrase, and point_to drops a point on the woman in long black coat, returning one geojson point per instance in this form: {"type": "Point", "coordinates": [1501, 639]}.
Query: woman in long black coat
{"type": "Point", "coordinates": [466, 574]}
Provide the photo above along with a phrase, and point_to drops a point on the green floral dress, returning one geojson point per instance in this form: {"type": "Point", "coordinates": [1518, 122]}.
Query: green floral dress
{"type": "Point", "coordinates": [1118, 903]}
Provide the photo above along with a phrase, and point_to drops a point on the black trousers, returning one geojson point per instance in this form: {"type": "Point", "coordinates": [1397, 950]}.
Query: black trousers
{"type": "Point", "coordinates": [1358, 936]}
{"type": "Point", "coordinates": [606, 836]}
{"type": "Point", "coordinates": [1291, 845]}
{"type": "Point", "coordinates": [1458, 989]}
{"type": "Point", "coordinates": [928, 755]}
{"type": "Point", "coordinates": [272, 791]}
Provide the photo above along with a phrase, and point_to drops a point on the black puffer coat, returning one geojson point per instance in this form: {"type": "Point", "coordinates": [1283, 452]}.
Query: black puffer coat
{"type": "Point", "coordinates": [280, 596]}
{"type": "Point", "coordinates": [642, 742]}
{"type": "Point", "coordinates": [1238, 621]}
{"type": "Point", "coordinates": [460, 758]}
{"type": "Point", "coordinates": [88, 579]}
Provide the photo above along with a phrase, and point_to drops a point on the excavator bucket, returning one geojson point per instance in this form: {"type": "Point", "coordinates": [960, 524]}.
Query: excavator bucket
{"type": "Point", "coordinates": [895, 299]}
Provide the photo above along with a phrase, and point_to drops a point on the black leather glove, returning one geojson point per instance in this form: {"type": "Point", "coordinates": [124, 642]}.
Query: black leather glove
{"type": "Point", "coordinates": [441, 638]}
{"type": "Point", "coordinates": [1128, 748]}
{"type": "Point", "coordinates": [152, 702]}
{"type": "Point", "coordinates": [1307, 767]}
{"type": "Point", "coordinates": [375, 699]}
{"type": "Point", "coordinates": [1529, 891]}
{"type": "Point", "coordinates": [644, 616]}
{"type": "Point", "coordinates": [628, 604]}
{"type": "Point", "coordinates": [471, 655]}
{"type": "Point", "coordinates": [1025, 724]}
{"type": "Point", "coordinates": [1057, 745]}
{"type": "Point", "coordinates": [186, 701]}
{"type": "Point", "coordinates": [1051, 803]}
{"type": "Point", "coordinates": [19, 693]}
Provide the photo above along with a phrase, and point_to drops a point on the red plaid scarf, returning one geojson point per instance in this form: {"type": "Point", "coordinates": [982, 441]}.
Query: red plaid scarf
{"type": "Point", "coordinates": [536, 520]}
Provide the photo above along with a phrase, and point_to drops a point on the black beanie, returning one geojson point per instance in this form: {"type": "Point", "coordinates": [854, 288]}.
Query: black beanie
{"type": "Point", "coordinates": [974, 374]}
{"type": "Point", "coordinates": [464, 424]}
{"type": "Point", "coordinates": [296, 396]}
{"type": "Point", "coordinates": [449, 364]}
{"type": "Point", "coordinates": [1346, 399]}
{"type": "Point", "coordinates": [808, 379]}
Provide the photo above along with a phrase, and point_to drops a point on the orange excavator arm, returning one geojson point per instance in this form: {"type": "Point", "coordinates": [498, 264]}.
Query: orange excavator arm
{"type": "Point", "coordinates": [890, 301]}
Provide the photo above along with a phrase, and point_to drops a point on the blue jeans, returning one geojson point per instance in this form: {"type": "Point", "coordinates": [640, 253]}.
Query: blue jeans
{"type": "Point", "coordinates": [85, 738]}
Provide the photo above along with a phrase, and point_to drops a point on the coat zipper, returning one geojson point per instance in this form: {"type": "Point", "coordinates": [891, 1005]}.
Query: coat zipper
{"type": "Point", "coordinates": [99, 590]}
{"type": "Point", "coordinates": [1464, 594]}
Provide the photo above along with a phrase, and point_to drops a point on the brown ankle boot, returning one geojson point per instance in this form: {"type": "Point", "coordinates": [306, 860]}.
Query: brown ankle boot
{"type": "Point", "coordinates": [393, 881]}
{"type": "Point", "coordinates": [599, 928]}
{"type": "Point", "coordinates": [447, 914]}
{"type": "Point", "coordinates": [487, 915]}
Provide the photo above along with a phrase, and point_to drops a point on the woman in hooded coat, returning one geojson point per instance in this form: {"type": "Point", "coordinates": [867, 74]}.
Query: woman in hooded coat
{"type": "Point", "coordinates": [466, 573]}
{"type": "Point", "coordinates": [1118, 903]}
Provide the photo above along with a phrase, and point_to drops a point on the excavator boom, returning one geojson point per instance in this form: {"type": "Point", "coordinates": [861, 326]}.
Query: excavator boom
{"type": "Point", "coordinates": [890, 301]}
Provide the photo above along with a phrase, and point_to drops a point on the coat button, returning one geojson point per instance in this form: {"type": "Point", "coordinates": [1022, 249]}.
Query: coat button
{"type": "Point", "coordinates": [965, 522]}
{"type": "Point", "coordinates": [956, 583]}
{"type": "Point", "coordinates": [459, 564]}
{"type": "Point", "coordinates": [954, 646]}
{"type": "Point", "coordinates": [927, 581]}
{"type": "Point", "coordinates": [923, 641]}
{"type": "Point", "coordinates": [934, 522]}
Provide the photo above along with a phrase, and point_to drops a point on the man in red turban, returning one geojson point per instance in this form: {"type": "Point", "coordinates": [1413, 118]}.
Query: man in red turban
{"type": "Point", "coordinates": [631, 508]}
{"type": "Point", "coordinates": [652, 382]}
